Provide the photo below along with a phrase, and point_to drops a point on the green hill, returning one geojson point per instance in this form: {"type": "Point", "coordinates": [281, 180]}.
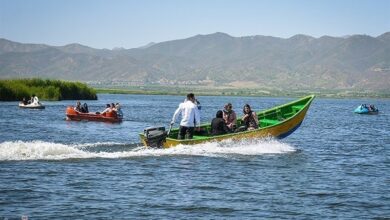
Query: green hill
{"type": "Point", "coordinates": [216, 60]}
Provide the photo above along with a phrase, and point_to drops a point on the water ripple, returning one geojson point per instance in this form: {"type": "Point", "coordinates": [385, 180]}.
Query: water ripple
{"type": "Point", "coordinates": [335, 166]}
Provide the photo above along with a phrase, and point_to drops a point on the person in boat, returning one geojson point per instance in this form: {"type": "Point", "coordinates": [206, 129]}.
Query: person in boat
{"type": "Point", "coordinates": [118, 110]}
{"type": "Point", "coordinates": [31, 100]}
{"type": "Point", "coordinates": [81, 108]}
{"type": "Point", "coordinates": [250, 119]}
{"type": "Point", "coordinates": [78, 106]}
{"type": "Point", "coordinates": [34, 99]}
{"type": "Point", "coordinates": [114, 110]}
{"type": "Point", "coordinates": [190, 117]}
{"type": "Point", "coordinates": [371, 108]}
{"type": "Point", "coordinates": [197, 103]}
{"type": "Point", "coordinates": [24, 101]}
{"type": "Point", "coordinates": [108, 109]}
{"type": "Point", "coordinates": [218, 125]}
{"type": "Point", "coordinates": [230, 117]}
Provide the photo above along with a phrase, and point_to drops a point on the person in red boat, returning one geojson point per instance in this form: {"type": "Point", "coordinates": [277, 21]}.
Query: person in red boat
{"type": "Point", "coordinates": [78, 106]}
{"type": "Point", "coordinates": [108, 109]}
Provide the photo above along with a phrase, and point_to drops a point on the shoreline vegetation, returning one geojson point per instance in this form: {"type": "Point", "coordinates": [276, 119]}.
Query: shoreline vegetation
{"type": "Point", "coordinates": [45, 89]}
{"type": "Point", "coordinates": [56, 90]}
{"type": "Point", "coordinates": [216, 91]}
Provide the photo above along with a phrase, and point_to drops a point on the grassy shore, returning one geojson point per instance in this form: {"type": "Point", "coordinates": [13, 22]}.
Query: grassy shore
{"type": "Point", "coordinates": [165, 90]}
{"type": "Point", "coordinates": [17, 89]}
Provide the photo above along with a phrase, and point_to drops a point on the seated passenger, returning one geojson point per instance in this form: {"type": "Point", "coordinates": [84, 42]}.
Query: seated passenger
{"type": "Point", "coordinates": [250, 119]}
{"type": "Point", "coordinates": [24, 101]}
{"type": "Point", "coordinates": [78, 107]}
{"type": "Point", "coordinates": [34, 99]}
{"type": "Point", "coordinates": [229, 115]}
{"type": "Point", "coordinates": [108, 109]}
{"type": "Point", "coordinates": [372, 108]}
{"type": "Point", "coordinates": [31, 100]}
{"type": "Point", "coordinates": [119, 110]}
{"type": "Point", "coordinates": [113, 112]}
{"type": "Point", "coordinates": [218, 125]}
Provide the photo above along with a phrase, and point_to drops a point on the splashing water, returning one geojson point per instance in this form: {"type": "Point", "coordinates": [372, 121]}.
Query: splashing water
{"type": "Point", "coordinates": [40, 150]}
{"type": "Point", "coordinates": [227, 147]}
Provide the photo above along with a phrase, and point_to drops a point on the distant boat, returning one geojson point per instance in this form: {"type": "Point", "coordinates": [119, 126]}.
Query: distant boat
{"type": "Point", "coordinates": [366, 109]}
{"type": "Point", "coordinates": [32, 105]}
{"type": "Point", "coordinates": [278, 122]}
{"type": "Point", "coordinates": [73, 115]}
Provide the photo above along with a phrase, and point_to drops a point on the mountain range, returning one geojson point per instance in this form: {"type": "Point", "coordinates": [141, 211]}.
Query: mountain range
{"type": "Point", "coordinates": [299, 62]}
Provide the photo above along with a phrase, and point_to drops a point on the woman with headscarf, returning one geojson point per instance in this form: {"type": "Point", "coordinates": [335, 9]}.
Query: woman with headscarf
{"type": "Point", "coordinates": [229, 115]}
{"type": "Point", "coordinates": [218, 125]}
{"type": "Point", "coordinates": [250, 118]}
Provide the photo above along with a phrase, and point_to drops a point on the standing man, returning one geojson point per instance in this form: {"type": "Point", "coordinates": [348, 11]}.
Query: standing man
{"type": "Point", "coordinates": [190, 117]}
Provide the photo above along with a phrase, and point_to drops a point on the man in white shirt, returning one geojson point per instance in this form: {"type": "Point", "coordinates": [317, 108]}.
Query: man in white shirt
{"type": "Point", "coordinates": [190, 117]}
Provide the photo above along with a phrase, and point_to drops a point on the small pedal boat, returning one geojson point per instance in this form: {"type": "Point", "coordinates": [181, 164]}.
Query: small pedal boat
{"type": "Point", "coordinates": [33, 105]}
{"type": "Point", "coordinates": [366, 109]}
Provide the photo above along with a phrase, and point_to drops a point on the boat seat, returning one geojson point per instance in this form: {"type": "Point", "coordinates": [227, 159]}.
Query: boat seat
{"type": "Point", "coordinates": [269, 121]}
{"type": "Point", "coordinates": [296, 108]}
{"type": "Point", "coordinates": [196, 137]}
{"type": "Point", "coordinates": [287, 115]}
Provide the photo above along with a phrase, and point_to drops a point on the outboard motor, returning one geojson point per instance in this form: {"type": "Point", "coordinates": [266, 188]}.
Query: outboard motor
{"type": "Point", "coordinates": [155, 136]}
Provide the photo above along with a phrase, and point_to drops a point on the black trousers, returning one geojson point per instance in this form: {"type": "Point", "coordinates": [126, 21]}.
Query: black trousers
{"type": "Point", "coordinates": [186, 132]}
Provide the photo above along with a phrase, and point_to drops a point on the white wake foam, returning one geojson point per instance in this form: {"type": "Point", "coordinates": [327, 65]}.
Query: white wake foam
{"type": "Point", "coordinates": [225, 148]}
{"type": "Point", "coordinates": [40, 150]}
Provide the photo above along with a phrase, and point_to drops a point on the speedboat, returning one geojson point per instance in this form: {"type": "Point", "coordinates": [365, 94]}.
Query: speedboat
{"type": "Point", "coordinates": [366, 109]}
{"type": "Point", "coordinates": [278, 122]}
{"type": "Point", "coordinates": [34, 105]}
{"type": "Point", "coordinates": [73, 115]}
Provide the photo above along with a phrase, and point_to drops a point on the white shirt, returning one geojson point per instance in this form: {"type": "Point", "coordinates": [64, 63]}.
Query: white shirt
{"type": "Point", "coordinates": [36, 100]}
{"type": "Point", "coordinates": [190, 115]}
{"type": "Point", "coordinates": [106, 110]}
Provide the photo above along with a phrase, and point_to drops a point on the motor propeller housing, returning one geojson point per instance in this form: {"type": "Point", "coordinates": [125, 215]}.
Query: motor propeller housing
{"type": "Point", "coordinates": [155, 136]}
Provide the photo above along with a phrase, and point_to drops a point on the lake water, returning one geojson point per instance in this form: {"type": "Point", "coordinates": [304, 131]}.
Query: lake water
{"type": "Point", "coordinates": [336, 165]}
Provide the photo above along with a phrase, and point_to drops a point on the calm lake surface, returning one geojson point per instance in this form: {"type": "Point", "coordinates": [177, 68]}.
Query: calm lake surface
{"type": "Point", "coordinates": [336, 165]}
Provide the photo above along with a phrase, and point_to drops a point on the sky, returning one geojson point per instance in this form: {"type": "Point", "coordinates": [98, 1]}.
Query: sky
{"type": "Point", "coordinates": [135, 23]}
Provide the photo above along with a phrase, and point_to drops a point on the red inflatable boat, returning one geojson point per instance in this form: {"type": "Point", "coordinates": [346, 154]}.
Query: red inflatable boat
{"type": "Point", "coordinates": [73, 115]}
